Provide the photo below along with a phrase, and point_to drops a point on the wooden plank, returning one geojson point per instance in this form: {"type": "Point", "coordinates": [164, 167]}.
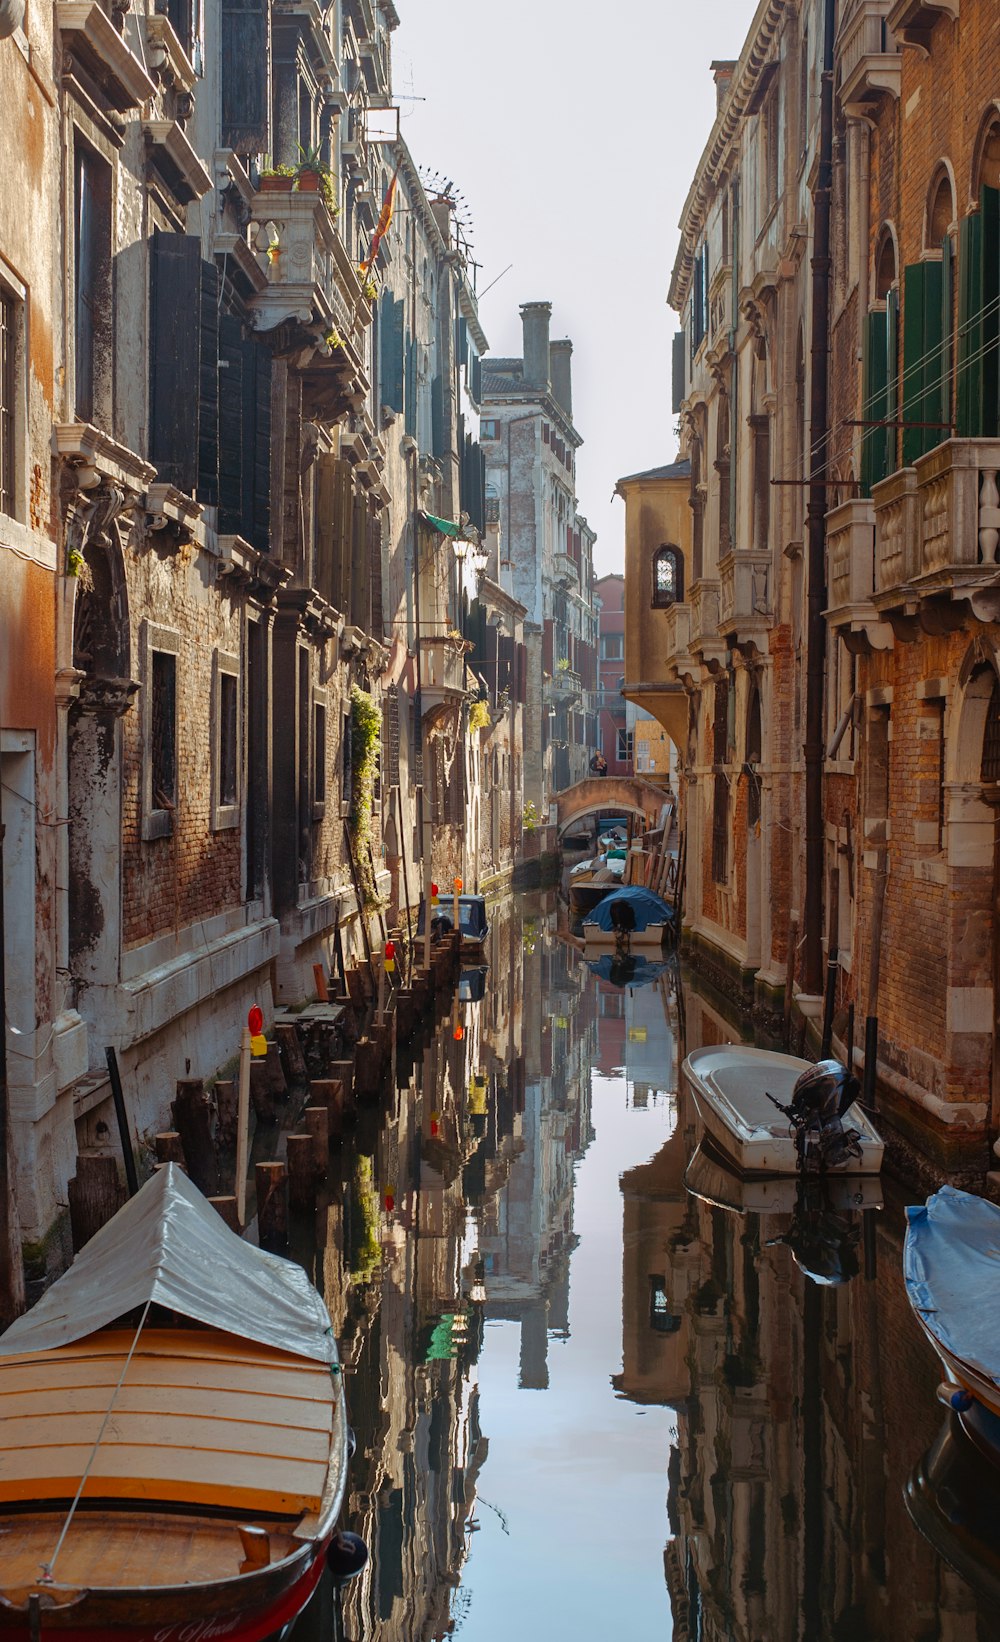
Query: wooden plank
{"type": "Point", "coordinates": [105, 1371]}
{"type": "Point", "coordinates": [189, 1433]}
{"type": "Point", "coordinates": [215, 1402]}
{"type": "Point", "coordinates": [246, 1482]}
{"type": "Point", "coordinates": [113, 1549]}
{"type": "Point", "coordinates": [186, 1343]}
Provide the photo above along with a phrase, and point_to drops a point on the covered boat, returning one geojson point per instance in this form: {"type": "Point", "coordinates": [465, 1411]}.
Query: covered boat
{"type": "Point", "coordinates": [630, 913]}
{"type": "Point", "coordinates": [472, 920]}
{"type": "Point", "coordinates": [740, 1093]}
{"type": "Point", "coordinates": [173, 1436]}
{"type": "Point", "coordinates": [951, 1267]}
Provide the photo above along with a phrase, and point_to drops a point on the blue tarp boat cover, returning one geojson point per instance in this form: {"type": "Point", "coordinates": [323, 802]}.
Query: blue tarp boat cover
{"type": "Point", "coordinates": [951, 1265]}
{"type": "Point", "coordinates": [632, 970]}
{"type": "Point", "coordinates": [471, 916]}
{"type": "Point", "coordinates": [647, 908]}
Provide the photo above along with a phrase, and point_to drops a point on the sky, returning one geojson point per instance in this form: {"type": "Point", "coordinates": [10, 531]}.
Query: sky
{"type": "Point", "coordinates": [574, 142]}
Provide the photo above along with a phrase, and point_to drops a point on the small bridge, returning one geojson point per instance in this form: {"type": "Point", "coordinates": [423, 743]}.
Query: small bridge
{"type": "Point", "coordinates": [619, 793]}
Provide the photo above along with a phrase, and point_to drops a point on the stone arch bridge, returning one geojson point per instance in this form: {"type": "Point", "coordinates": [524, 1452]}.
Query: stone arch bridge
{"type": "Point", "coordinates": [610, 792]}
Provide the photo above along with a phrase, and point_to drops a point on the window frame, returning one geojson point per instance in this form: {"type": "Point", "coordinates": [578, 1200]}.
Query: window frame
{"type": "Point", "coordinates": [668, 553]}
{"type": "Point", "coordinates": [319, 780]}
{"type": "Point", "coordinates": [157, 819]}
{"type": "Point", "coordinates": [225, 815]}
{"type": "Point", "coordinates": [14, 296]}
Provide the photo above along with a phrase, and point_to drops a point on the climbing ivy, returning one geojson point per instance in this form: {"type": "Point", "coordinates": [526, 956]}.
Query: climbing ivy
{"type": "Point", "coordinates": [366, 731]}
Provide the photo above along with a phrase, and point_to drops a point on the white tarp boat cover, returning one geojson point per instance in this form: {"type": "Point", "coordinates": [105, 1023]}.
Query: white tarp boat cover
{"type": "Point", "coordinates": [169, 1245]}
{"type": "Point", "coordinates": [951, 1263]}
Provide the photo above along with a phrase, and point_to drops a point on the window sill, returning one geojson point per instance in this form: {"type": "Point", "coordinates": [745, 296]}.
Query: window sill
{"type": "Point", "coordinates": [157, 824]}
{"type": "Point", "coordinates": [225, 817]}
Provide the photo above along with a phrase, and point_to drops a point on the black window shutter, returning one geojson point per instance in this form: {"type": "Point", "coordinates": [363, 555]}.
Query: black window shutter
{"type": "Point", "coordinates": [244, 74]}
{"type": "Point", "coordinates": [256, 460]}
{"type": "Point", "coordinates": [230, 426]}
{"type": "Point", "coordinates": [175, 357]}
{"type": "Point", "coordinates": [208, 411]}
{"type": "Point", "coordinates": [677, 398]}
{"type": "Point", "coordinates": [477, 379]}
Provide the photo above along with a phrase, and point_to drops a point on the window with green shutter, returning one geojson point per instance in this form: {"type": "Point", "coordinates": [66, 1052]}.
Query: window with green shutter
{"type": "Point", "coordinates": [880, 385]}
{"type": "Point", "coordinates": [978, 355]}
{"type": "Point", "coordinates": [922, 367]}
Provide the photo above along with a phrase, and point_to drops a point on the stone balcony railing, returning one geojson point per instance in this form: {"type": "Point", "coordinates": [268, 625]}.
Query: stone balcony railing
{"type": "Point", "coordinates": [871, 67]}
{"type": "Point", "coordinates": [705, 639]}
{"type": "Point", "coordinates": [937, 528]}
{"type": "Point", "coordinates": [310, 277]}
{"type": "Point", "coordinates": [850, 546]}
{"type": "Point", "coordinates": [564, 685]}
{"type": "Point", "coordinates": [564, 569]}
{"type": "Point", "coordinates": [677, 637]}
{"type": "Point", "coordinates": [746, 608]}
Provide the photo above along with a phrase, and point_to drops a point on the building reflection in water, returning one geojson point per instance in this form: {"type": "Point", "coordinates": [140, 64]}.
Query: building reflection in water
{"type": "Point", "coordinates": [801, 1409]}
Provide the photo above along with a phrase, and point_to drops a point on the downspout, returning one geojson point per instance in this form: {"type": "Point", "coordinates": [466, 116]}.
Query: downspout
{"type": "Point", "coordinates": [818, 469]}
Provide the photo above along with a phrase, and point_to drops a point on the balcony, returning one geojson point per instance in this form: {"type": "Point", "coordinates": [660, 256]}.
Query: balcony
{"type": "Point", "coordinates": [850, 539]}
{"type": "Point", "coordinates": [564, 570]}
{"type": "Point", "coordinates": [745, 604]}
{"type": "Point", "coordinates": [310, 277]}
{"type": "Point", "coordinates": [564, 686]}
{"type": "Point", "coordinates": [937, 533]}
{"type": "Point", "coordinates": [90, 35]}
{"type": "Point", "coordinates": [912, 21]}
{"type": "Point", "coordinates": [442, 675]}
{"type": "Point", "coordinates": [871, 67]}
{"type": "Point", "coordinates": [677, 639]}
{"type": "Point", "coordinates": [705, 641]}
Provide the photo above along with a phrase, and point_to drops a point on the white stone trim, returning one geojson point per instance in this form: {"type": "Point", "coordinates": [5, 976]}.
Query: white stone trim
{"type": "Point", "coordinates": [159, 996]}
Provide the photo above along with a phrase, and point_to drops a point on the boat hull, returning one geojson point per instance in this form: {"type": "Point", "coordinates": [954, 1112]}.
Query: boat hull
{"type": "Point", "coordinates": [583, 898]}
{"type": "Point", "coordinates": [728, 1083]}
{"type": "Point", "coordinates": [954, 1500]}
{"type": "Point", "coordinates": [242, 1610]}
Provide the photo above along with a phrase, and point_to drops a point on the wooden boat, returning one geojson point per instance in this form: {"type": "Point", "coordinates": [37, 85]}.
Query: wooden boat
{"type": "Point", "coordinates": [472, 921]}
{"type": "Point", "coordinates": [951, 1268]}
{"type": "Point", "coordinates": [730, 1084]}
{"type": "Point", "coordinates": [173, 1436]}
{"type": "Point", "coordinates": [715, 1181]}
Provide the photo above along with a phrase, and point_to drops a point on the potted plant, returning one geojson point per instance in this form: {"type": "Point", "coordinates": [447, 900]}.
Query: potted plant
{"type": "Point", "coordinates": [276, 179]}
{"type": "Point", "coordinates": [313, 176]}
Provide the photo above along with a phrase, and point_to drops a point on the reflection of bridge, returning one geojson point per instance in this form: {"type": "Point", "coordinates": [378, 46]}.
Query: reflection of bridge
{"type": "Point", "coordinates": [611, 792]}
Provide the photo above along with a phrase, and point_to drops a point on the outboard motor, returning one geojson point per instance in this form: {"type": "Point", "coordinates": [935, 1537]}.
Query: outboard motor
{"type": "Point", "coordinates": [820, 1100]}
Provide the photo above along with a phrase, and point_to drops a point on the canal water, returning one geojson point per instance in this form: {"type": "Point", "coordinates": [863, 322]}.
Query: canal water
{"type": "Point", "coordinates": [590, 1402]}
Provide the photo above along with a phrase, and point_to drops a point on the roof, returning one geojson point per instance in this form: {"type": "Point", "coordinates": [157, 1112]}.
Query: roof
{"type": "Point", "coordinates": [170, 1246]}
{"type": "Point", "coordinates": [673, 470]}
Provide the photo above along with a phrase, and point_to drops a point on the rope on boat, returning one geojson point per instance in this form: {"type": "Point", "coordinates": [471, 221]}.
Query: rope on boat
{"type": "Point", "coordinates": [47, 1567]}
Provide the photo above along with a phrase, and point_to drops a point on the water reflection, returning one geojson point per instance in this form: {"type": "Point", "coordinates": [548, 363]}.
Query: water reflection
{"type": "Point", "coordinates": [593, 1386]}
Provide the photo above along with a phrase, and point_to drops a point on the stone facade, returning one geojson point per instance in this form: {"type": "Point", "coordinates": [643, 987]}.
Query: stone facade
{"type": "Point", "coordinates": [241, 508]}
{"type": "Point", "coordinates": [546, 548]}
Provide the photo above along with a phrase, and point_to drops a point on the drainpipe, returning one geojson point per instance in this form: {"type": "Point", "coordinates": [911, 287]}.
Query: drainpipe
{"type": "Point", "coordinates": [816, 528]}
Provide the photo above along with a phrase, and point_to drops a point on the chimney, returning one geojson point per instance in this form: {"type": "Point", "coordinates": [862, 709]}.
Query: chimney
{"type": "Point", "coordinates": [535, 317]}
{"type": "Point", "coordinates": [561, 366]}
{"type": "Point", "coordinates": [722, 71]}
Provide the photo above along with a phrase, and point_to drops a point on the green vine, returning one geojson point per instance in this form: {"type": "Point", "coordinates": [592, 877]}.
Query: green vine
{"type": "Point", "coordinates": [366, 732]}
{"type": "Point", "coordinates": [365, 1242]}
{"type": "Point", "coordinates": [479, 716]}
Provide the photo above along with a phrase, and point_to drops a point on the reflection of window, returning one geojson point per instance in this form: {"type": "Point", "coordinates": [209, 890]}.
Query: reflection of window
{"type": "Point", "coordinates": [660, 1317]}
{"type": "Point", "coordinates": [668, 577]}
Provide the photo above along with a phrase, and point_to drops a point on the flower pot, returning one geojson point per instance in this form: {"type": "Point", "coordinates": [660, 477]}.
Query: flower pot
{"type": "Point", "coordinates": [276, 185]}
{"type": "Point", "coordinates": [307, 182]}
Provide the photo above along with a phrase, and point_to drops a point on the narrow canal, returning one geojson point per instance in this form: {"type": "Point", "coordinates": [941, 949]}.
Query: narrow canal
{"type": "Point", "coordinates": [589, 1402]}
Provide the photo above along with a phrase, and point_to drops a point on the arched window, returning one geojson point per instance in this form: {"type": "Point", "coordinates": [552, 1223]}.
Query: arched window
{"type": "Point", "coordinates": [668, 577]}
{"type": "Point", "coordinates": [928, 287]}
{"type": "Point", "coordinates": [978, 350]}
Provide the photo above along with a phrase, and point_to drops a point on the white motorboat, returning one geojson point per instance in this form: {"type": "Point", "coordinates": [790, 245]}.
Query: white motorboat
{"type": "Point", "coordinates": [717, 1182]}
{"type": "Point", "coordinates": [732, 1086]}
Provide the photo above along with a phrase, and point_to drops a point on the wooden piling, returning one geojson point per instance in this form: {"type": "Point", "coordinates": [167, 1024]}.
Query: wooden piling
{"type": "Point", "coordinates": [272, 1206]}
{"type": "Point", "coordinates": [192, 1115]}
{"type": "Point", "coordinates": [168, 1147]}
{"type": "Point", "coordinates": [276, 1080]}
{"type": "Point", "coordinates": [226, 1207]}
{"type": "Point", "coordinates": [261, 1093]}
{"type": "Point", "coordinates": [290, 1049]}
{"type": "Point", "coordinates": [357, 991]}
{"type": "Point", "coordinates": [343, 1072]}
{"type": "Point", "coordinates": [367, 1068]}
{"type": "Point", "coordinates": [301, 1171]}
{"type": "Point", "coordinates": [227, 1108]}
{"type": "Point", "coordinates": [96, 1193]}
{"type": "Point", "coordinates": [316, 1120]}
{"type": "Point", "coordinates": [329, 1093]}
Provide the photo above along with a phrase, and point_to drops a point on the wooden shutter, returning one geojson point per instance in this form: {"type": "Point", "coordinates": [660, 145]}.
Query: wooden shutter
{"type": "Point", "coordinates": [230, 426]}
{"type": "Point", "coordinates": [377, 628]}
{"type": "Point", "coordinates": [874, 407]}
{"type": "Point", "coordinates": [244, 53]}
{"type": "Point", "coordinates": [922, 371]}
{"type": "Point", "coordinates": [257, 371]}
{"type": "Point", "coordinates": [208, 377]}
{"type": "Point", "coordinates": [175, 357]}
{"type": "Point", "coordinates": [326, 568]}
{"type": "Point", "coordinates": [476, 386]}
{"type": "Point", "coordinates": [969, 373]}
{"type": "Point", "coordinates": [438, 443]}
{"type": "Point", "coordinates": [522, 673]}
{"type": "Point", "coordinates": [989, 210]}
{"type": "Point", "coordinates": [677, 372]}
{"type": "Point", "coordinates": [391, 352]}
{"type": "Point", "coordinates": [410, 389]}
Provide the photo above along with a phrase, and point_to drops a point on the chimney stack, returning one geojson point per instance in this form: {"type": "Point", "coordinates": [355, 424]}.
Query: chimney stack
{"type": "Point", "coordinates": [535, 318]}
{"type": "Point", "coordinates": [561, 366]}
{"type": "Point", "coordinates": [723, 70]}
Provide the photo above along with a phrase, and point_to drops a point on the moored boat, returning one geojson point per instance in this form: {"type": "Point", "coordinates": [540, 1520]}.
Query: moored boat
{"type": "Point", "coordinates": [173, 1436]}
{"type": "Point", "coordinates": [743, 1096]}
{"type": "Point", "coordinates": [710, 1177]}
{"type": "Point", "coordinates": [951, 1268]}
{"type": "Point", "coordinates": [631, 915]}
{"type": "Point", "coordinates": [472, 921]}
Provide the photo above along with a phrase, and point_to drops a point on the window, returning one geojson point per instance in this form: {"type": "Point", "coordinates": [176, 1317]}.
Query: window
{"type": "Point", "coordinates": [769, 173]}
{"type": "Point", "coordinates": [91, 270]}
{"type": "Point", "coordinates": [346, 777]}
{"type": "Point", "coordinates": [699, 299]}
{"type": "Point", "coordinates": [10, 373]}
{"type": "Point", "coordinates": [489, 428]}
{"type": "Point", "coordinates": [661, 1321]}
{"type": "Point", "coordinates": [624, 749]}
{"type": "Point", "coordinates": [720, 829]}
{"type": "Point", "coordinates": [668, 577]}
{"type": "Point", "coordinates": [612, 646]}
{"type": "Point", "coordinates": [227, 739]}
{"type": "Point", "coordinates": [159, 723]}
{"type": "Point", "coordinates": [319, 758]}
{"type": "Point", "coordinates": [978, 364]}
{"type": "Point", "coordinates": [880, 371]}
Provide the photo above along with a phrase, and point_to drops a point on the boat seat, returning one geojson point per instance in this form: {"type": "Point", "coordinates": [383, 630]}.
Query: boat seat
{"type": "Point", "coordinates": [201, 1419]}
